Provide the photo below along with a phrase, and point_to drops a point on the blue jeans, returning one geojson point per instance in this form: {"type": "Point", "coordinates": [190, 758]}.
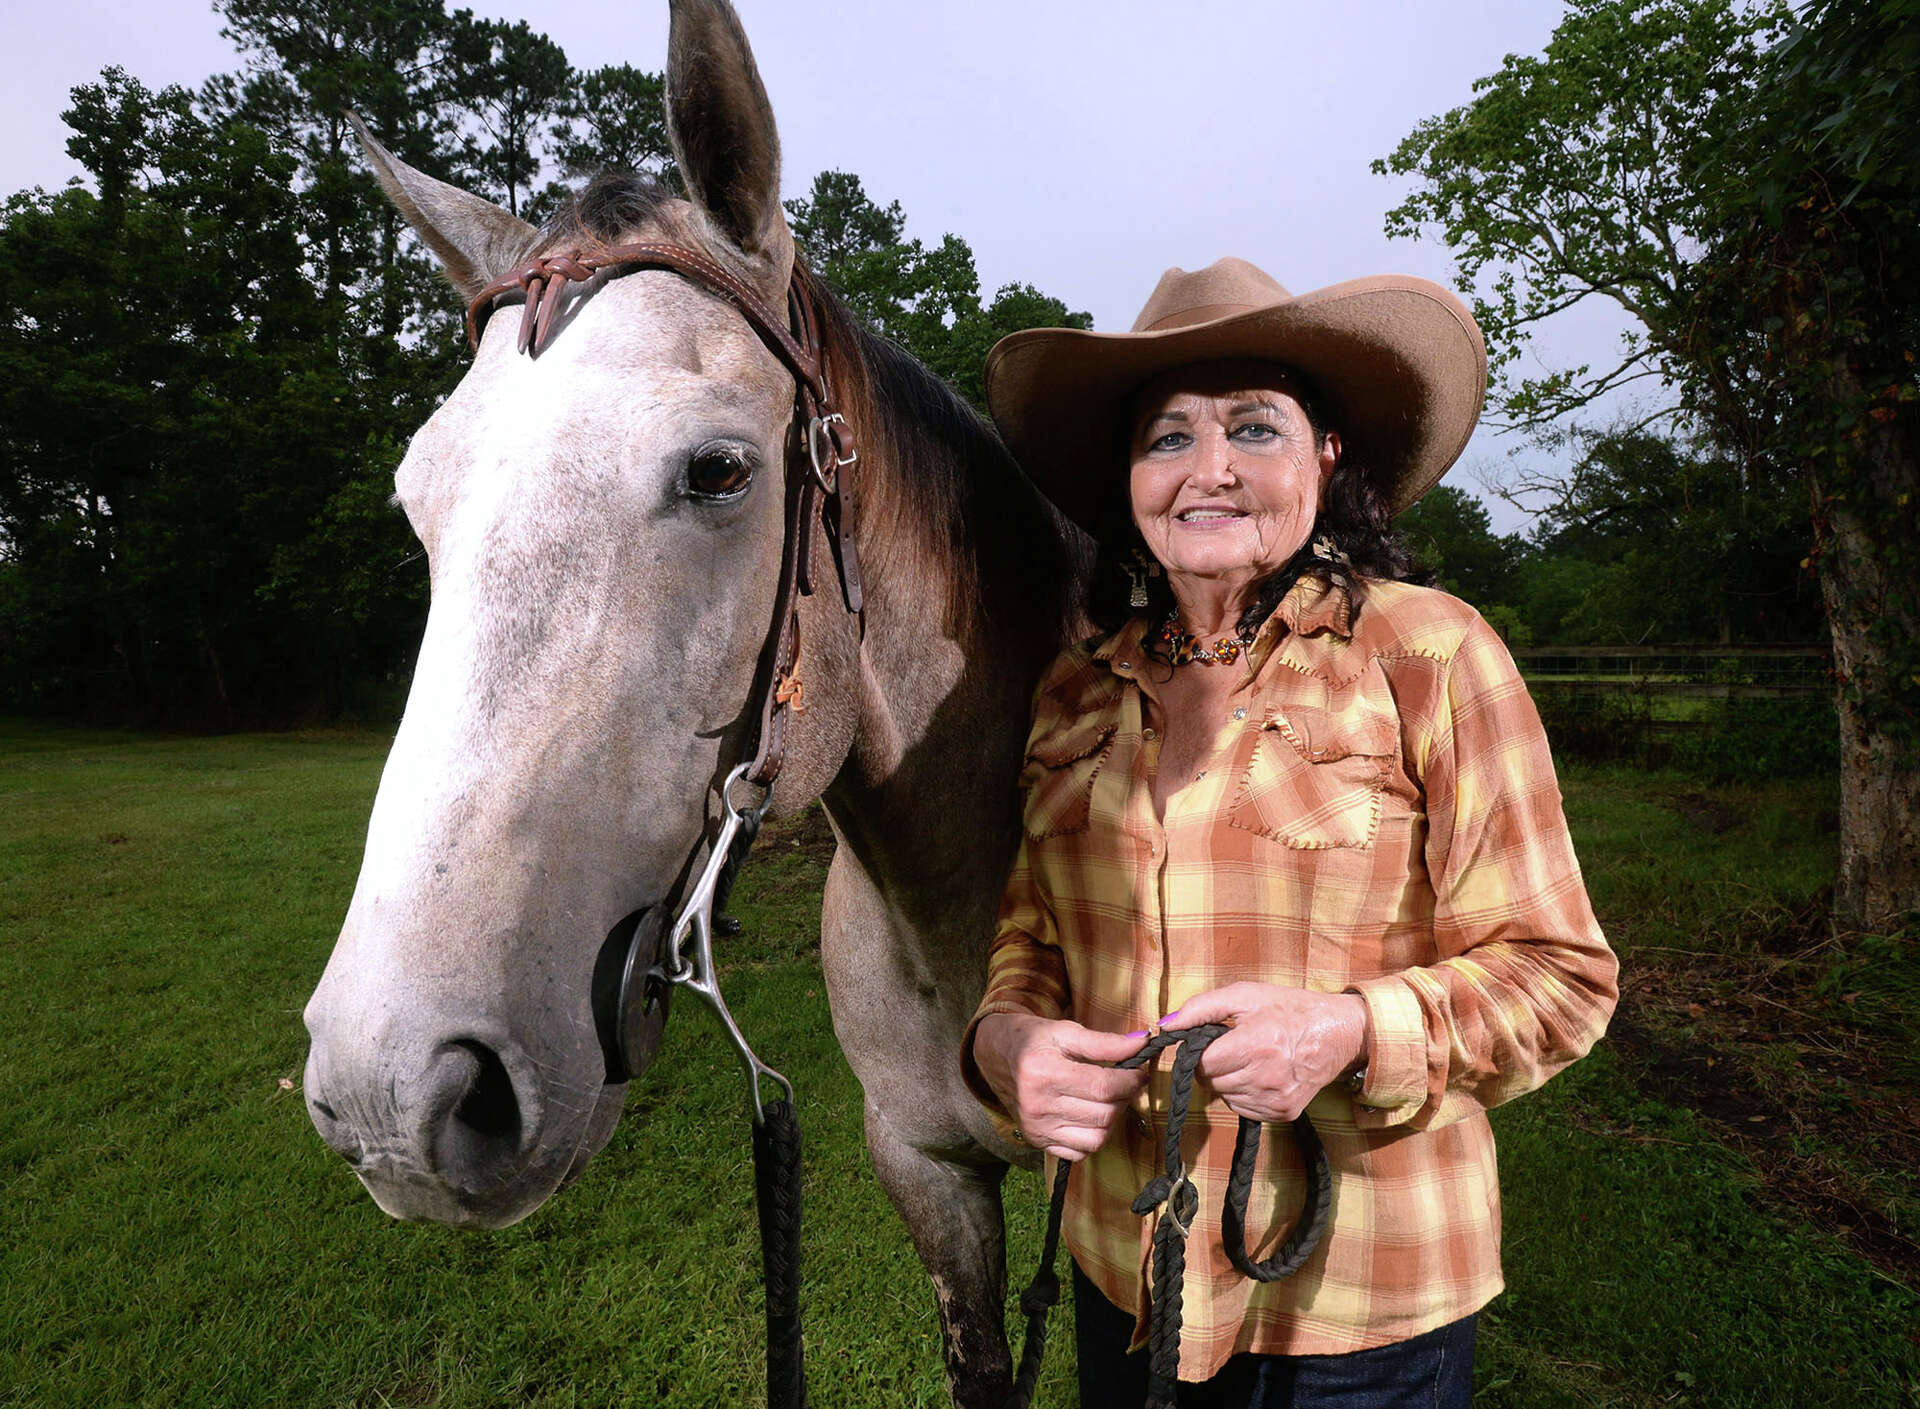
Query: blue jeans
{"type": "Point", "coordinates": [1433, 1371]}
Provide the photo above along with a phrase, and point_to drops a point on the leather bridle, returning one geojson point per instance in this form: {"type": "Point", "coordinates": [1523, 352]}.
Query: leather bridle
{"type": "Point", "coordinates": [820, 449]}
{"type": "Point", "coordinates": [819, 461]}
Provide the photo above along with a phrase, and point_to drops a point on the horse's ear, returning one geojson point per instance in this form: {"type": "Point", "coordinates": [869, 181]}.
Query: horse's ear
{"type": "Point", "coordinates": [475, 240]}
{"type": "Point", "coordinates": [721, 125]}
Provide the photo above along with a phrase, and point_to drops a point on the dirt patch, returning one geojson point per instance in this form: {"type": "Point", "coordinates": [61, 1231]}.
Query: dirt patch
{"type": "Point", "coordinates": [1804, 1074]}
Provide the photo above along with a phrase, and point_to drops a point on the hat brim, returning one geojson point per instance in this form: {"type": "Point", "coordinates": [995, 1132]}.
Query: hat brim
{"type": "Point", "coordinates": [1398, 361]}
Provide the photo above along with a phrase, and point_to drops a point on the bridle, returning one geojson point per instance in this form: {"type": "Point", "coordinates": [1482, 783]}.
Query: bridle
{"type": "Point", "coordinates": [820, 456]}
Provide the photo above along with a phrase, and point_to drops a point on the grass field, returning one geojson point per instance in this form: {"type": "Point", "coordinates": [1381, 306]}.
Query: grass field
{"type": "Point", "coordinates": [176, 1234]}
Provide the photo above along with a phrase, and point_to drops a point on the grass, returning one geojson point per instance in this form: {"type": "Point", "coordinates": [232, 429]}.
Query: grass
{"type": "Point", "coordinates": [175, 1232]}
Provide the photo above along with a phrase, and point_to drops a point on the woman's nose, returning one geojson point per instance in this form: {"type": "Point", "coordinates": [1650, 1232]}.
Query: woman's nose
{"type": "Point", "coordinates": [1214, 463]}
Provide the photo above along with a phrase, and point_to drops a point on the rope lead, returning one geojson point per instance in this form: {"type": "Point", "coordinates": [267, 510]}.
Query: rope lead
{"type": "Point", "coordinates": [1175, 1194]}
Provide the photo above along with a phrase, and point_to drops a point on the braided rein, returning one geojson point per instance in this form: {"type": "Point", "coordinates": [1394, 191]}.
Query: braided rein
{"type": "Point", "coordinates": [1173, 1193]}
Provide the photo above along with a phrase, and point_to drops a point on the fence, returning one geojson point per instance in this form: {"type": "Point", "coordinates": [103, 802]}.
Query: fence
{"type": "Point", "coordinates": [1673, 680]}
{"type": "Point", "coordinates": [1732, 709]}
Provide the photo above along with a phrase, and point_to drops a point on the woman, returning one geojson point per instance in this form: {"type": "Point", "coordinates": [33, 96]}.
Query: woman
{"type": "Point", "coordinates": [1288, 791]}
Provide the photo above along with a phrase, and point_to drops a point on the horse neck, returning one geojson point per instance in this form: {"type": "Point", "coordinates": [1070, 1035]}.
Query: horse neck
{"type": "Point", "coordinates": [973, 584]}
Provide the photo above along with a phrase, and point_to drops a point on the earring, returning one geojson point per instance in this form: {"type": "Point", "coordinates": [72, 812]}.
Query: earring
{"type": "Point", "coordinates": [1329, 553]}
{"type": "Point", "coordinates": [1138, 597]}
{"type": "Point", "coordinates": [1143, 568]}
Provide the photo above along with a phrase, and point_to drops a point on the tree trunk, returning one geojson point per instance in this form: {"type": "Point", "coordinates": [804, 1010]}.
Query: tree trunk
{"type": "Point", "coordinates": [1872, 600]}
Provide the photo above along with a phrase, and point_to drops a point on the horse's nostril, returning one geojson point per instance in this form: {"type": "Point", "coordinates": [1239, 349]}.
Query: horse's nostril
{"type": "Point", "coordinates": [489, 1108]}
{"type": "Point", "coordinates": [325, 1111]}
{"type": "Point", "coordinates": [476, 1139]}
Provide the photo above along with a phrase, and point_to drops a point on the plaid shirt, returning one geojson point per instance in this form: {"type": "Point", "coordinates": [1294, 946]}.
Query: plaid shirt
{"type": "Point", "coordinates": [1379, 816]}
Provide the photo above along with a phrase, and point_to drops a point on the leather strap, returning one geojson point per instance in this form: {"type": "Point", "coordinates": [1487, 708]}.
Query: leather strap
{"type": "Point", "coordinates": [821, 448]}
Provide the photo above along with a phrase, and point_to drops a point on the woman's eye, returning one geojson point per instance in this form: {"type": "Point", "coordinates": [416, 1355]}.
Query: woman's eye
{"type": "Point", "coordinates": [1256, 430]}
{"type": "Point", "coordinates": [1172, 440]}
{"type": "Point", "coordinates": [719, 474]}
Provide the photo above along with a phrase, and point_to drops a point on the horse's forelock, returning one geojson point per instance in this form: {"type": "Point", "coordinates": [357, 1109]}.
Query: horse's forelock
{"type": "Point", "coordinates": [612, 208]}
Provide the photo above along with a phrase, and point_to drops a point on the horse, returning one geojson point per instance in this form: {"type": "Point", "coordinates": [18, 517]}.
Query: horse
{"type": "Point", "coordinates": [603, 525]}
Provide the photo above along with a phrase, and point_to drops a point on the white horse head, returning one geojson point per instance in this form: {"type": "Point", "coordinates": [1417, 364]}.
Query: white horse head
{"type": "Point", "coordinates": [603, 524]}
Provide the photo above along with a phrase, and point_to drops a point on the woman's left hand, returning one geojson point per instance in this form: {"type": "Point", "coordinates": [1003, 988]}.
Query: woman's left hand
{"type": "Point", "coordinates": [1287, 1044]}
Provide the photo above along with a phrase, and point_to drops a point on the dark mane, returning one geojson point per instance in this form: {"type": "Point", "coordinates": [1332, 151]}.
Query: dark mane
{"type": "Point", "coordinates": [947, 504]}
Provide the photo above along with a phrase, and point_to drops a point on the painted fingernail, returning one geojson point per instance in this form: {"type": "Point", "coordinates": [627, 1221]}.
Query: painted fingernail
{"type": "Point", "coordinates": [1168, 1018]}
{"type": "Point", "coordinates": [1138, 1036]}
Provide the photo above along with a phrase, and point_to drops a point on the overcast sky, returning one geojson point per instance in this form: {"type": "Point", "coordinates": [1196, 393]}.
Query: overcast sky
{"type": "Point", "coordinates": [1080, 145]}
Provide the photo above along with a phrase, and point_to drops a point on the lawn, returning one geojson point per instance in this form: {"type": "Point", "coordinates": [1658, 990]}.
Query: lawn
{"type": "Point", "coordinates": [177, 1234]}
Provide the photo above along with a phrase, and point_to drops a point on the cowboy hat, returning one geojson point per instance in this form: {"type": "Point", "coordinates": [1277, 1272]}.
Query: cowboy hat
{"type": "Point", "coordinates": [1398, 361]}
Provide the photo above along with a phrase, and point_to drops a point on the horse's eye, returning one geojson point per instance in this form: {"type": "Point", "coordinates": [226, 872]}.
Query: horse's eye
{"type": "Point", "coordinates": [719, 474]}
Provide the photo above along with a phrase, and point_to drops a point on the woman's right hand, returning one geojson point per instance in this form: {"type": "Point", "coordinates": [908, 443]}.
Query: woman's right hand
{"type": "Point", "coordinates": [1054, 1076]}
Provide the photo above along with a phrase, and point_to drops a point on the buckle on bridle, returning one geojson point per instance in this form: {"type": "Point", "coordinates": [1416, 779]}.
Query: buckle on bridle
{"type": "Point", "coordinates": [824, 449]}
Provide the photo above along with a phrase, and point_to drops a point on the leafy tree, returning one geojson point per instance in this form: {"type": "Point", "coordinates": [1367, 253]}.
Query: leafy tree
{"type": "Point", "coordinates": [142, 387]}
{"type": "Point", "coordinates": [1451, 535]}
{"type": "Point", "coordinates": [616, 121]}
{"type": "Point", "coordinates": [513, 86]}
{"type": "Point", "coordinates": [1743, 185]}
{"type": "Point", "coordinates": [1705, 554]}
{"type": "Point", "coordinates": [1807, 302]}
{"type": "Point", "coordinates": [306, 63]}
{"type": "Point", "coordinates": [1572, 177]}
{"type": "Point", "coordinates": [927, 300]}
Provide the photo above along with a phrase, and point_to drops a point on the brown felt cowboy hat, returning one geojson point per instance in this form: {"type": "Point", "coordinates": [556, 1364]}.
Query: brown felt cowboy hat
{"type": "Point", "coordinates": [1398, 362]}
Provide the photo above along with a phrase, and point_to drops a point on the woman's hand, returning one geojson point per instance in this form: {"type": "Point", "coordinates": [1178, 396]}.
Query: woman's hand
{"type": "Point", "coordinates": [1053, 1075]}
{"type": "Point", "coordinates": [1287, 1044]}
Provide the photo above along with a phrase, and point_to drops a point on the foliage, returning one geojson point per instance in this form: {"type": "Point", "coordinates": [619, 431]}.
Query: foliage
{"type": "Point", "coordinates": [1572, 176]}
{"type": "Point", "coordinates": [926, 300]}
{"type": "Point", "coordinates": [200, 419]}
{"type": "Point", "coordinates": [1750, 741]}
{"type": "Point", "coordinates": [1740, 180]}
{"type": "Point", "coordinates": [1452, 537]}
{"type": "Point", "coordinates": [167, 401]}
{"type": "Point", "coordinates": [621, 112]}
{"type": "Point", "coordinates": [516, 85]}
{"type": "Point", "coordinates": [1676, 544]}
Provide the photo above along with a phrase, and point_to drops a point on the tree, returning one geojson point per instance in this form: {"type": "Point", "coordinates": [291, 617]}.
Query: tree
{"type": "Point", "coordinates": [1740, 183]}
{"type": "Point", "coordinates": [174, 410]}
{"type": "Point", "coordinates": [616, 121]}
{"type": "Point", "coordinates": [513, 87]}
{"type": "Point", "coordinates": [1807, 301]}
{"type": "Point", "coordinates": [927, 300]}
{"type": "Point", "coordinates": [1572, 176]}
{"type": "Point", "coordinates": [1451, 535]}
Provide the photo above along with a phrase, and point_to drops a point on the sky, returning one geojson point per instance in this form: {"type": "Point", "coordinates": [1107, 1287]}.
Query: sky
{"type": "Point", "coordinates": [1082, 146]}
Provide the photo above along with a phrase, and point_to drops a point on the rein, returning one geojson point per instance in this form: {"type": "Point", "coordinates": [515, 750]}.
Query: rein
{"type": "Point", "coordinates": [820, 452]}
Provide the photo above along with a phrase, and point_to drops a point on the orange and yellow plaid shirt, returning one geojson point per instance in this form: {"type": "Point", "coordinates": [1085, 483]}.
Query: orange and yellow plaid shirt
{"type": "Point", "coordinates": [1378, 815]}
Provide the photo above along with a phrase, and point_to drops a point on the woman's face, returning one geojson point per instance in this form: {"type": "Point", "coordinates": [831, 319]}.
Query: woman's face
{"type": "Point", "coordinates": [1226, 478]}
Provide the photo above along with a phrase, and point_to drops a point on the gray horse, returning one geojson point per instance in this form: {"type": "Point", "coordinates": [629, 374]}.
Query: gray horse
{"type": "Point", "coordinates": [597, 612]}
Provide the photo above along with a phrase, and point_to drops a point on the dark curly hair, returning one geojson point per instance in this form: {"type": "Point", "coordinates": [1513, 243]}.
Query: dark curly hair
{"type": "Point", "coordinates": [1352, 515]}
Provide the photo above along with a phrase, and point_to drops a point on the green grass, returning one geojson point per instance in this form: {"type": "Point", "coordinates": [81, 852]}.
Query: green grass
{"type": "Point", "coordinates": [175, 1233]}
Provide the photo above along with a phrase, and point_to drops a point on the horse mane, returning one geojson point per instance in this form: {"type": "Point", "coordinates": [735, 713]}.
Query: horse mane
{"type": "Point", "coordinates": [943, 507]}
{"type": "Point", "coordinates": [946, 506]}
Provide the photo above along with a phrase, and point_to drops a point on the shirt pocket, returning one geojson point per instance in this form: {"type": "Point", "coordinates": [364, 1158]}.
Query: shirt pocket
{"type": "Point", "coordinates": [1059, 776]}
{"type": "Point", "coordinates": [1313, 779]}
